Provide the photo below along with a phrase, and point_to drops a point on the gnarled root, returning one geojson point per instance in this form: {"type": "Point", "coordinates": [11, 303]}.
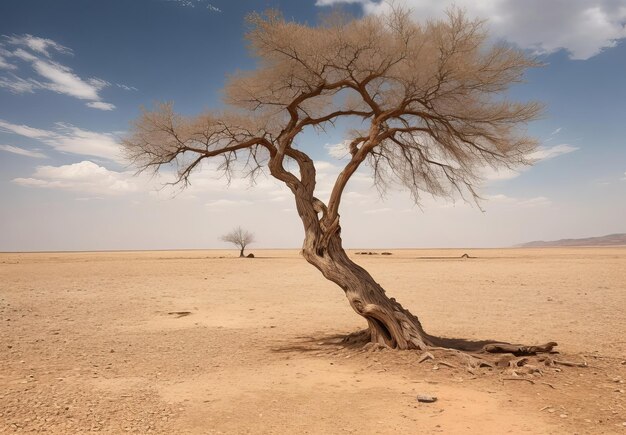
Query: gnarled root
{"type": "Point", "coordinates": [518, 349]}
{"type": "Point", "coordinates": [396, 327]}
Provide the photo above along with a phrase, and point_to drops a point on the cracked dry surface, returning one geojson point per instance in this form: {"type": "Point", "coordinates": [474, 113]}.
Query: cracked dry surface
{"type": "Point", "coordinates": [97, 342]}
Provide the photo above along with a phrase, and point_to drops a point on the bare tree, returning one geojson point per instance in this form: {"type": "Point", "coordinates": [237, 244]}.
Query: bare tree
{"type": "Point", "coordinates": [426, 104]}
{"type": "Point", "coordinates": [240, 238]}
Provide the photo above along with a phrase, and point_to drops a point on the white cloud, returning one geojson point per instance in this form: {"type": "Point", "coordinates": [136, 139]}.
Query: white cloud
{"type": "Point", "coordinates": [582, 27]}
{"type": "Point", "coordinates": [126, 88]}
{"type": "Point", "coordinates": [100, 105]}
{"type": "Point", "coordinates": [206, 184]}
{"type": "Point", "coordinates": [338, 151]}
{"type": "Point", "coordinates": [546, 153]}
{"type": "Point", "coordinates": [540, 154]}
{"type": "Point", "coordinates": [85, 176]}
{"type": "Point", "coordinates": [624, 178]}
{"type": "Point", "coordinates": [18, 85]}
{"type": "Point", "coordinates": [22, 152]}
{"type": "Point", "coordinates": [70, 139]}
{"type": "Point", "coordinates": [6, 65]}
{"type": "Point", "coordinates": [39, 45]}
{"type": "Point", "coordinates": [490, 174]}
{"type": "Point", "coordinates": [63, 81]}
{"type": "Point", "coordinates": [24, 55]}
{"type": "Point", "coordinates": [538, 201]}
{"type": "Point", "coordinates": [53, 76]}
{"type": "Point", "coordinates": [23, 130]}
{"type": "Point", "coordinates": [322, 166]}
{"type": "Point", "coordinates": [199, 3]}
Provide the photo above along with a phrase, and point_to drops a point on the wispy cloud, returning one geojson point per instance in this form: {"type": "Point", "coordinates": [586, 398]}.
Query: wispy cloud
{"type": "Point", "coordinates": [51, 75]}
{"type": "Point", "coordinates": [4, 64]}
{"type": "Point", "coordinates": [22, 151]}
{"type": "Point", "coordinates": [540, 154]}
{"type": "Point", "coordinates": [69, 139]}
{"type": "Point", "coordinates": [491, 174]}
{"type": "Point", "coordinates": [38, 45]}
{"type": "Point", "coordinates": [101, 105]}
{"type": "Point", "coordinates": [546, 153]}
{"type": "Point", "coordinates": [538, 201]}
{"type": "Point", "coordinates": [18, 85]}
{"type": "Point", "coordinates": [126, 88]}
{"type": "Point", "coordinates": [197, 3]}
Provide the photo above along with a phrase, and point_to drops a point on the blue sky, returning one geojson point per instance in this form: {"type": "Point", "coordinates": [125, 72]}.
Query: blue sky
{"type": "Point", "coordinates": [74, 73]}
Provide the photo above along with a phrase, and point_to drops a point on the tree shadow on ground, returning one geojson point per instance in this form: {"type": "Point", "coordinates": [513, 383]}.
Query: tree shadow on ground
{"type": "Point", "coordinates": [360, 339]}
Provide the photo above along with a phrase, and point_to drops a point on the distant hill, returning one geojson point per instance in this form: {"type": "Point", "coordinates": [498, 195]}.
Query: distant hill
{"type": "Point", "coordinates": [610, 240]}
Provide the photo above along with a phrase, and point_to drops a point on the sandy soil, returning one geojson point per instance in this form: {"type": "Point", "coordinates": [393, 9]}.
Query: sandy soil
{"type": "Point", "coordinates": [93, 341]}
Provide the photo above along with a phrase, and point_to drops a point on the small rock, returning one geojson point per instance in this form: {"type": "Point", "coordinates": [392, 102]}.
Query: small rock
{"type": "Point", "coordinates": [563, 415]}
{"type": "Point", "coordinates": [426, 399]}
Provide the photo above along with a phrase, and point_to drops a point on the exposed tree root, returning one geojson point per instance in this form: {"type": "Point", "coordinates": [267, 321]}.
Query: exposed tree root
{"type": "Point", "coordinates": [475, 348]}
{"type": "Point", "coordinates": [425, 356]}
{"type": "Point", "coordinates": [570, 363]}
{"type": "Point", "coordinates": [518, 361]}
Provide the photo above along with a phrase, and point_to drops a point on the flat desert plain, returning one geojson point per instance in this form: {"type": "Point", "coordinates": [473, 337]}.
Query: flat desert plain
{"type": "Point", "coordinates": [203, 342]}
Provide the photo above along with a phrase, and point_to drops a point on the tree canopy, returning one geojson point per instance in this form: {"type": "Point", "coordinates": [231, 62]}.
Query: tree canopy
{"type": "Point", "coordinates": [426, 100]}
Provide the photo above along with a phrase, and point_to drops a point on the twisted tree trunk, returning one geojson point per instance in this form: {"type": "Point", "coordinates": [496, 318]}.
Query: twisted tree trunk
{"type": "Point", "coordinates": [389, 323]}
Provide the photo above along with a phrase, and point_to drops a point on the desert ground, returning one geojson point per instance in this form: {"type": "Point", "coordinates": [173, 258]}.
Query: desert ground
{"type": "Point", "coordinates": [203, 342]}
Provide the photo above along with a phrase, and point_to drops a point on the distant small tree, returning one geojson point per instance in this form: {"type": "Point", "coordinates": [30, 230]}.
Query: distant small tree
{"type": "Point", "coordinates": [240, 238]}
